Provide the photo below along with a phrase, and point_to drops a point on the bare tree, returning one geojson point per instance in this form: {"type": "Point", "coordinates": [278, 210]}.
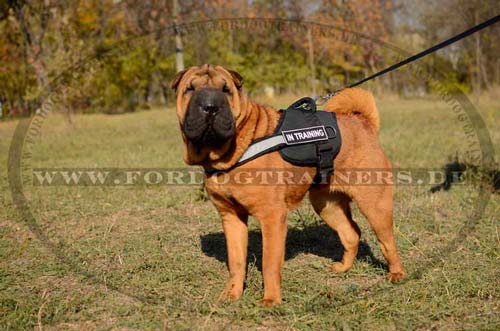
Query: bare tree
{"type": "Point", "coordinates": [33, 39]}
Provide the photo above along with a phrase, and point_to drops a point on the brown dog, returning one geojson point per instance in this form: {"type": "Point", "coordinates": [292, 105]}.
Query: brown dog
{"type": "Point", "coordinates": [218, 122]}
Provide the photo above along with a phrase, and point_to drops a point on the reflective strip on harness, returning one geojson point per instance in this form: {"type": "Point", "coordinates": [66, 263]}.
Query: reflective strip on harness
{"type": "Point", "coordinates": [261, 147]}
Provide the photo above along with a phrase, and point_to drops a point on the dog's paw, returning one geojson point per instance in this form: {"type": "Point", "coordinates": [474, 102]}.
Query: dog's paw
{"type": "Point", "coordinates": [395, 277]}
{"type": "Point", "coordinates": [231, 292]}
{"type": "Point", "coordinates": [269, 302]}
{"type": "Point", "coordinates": [228, 296]}
{"type": "Point", "coordinates": [339, 267]}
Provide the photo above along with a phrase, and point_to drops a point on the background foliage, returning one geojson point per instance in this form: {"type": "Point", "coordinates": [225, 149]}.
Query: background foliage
{"type": "Point", "coordinates": [132, 48]}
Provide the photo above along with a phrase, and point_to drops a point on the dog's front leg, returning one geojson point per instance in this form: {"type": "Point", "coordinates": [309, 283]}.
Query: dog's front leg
{"type": "Point", "coordinates": [236, 233]}
{"type": "Point", "coordinates": [273, 241]}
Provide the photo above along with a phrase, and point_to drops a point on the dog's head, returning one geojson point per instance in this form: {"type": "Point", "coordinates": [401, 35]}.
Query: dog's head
{"type": "Point", "coordinates": [209, 108]}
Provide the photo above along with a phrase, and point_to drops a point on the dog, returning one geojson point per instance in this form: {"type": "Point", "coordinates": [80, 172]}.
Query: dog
{"type": "Point", "coordinates": [218, 122]}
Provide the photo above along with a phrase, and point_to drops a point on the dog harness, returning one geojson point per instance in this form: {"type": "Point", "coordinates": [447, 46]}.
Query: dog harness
{"type": "Point", "coordinates": [304, 137]}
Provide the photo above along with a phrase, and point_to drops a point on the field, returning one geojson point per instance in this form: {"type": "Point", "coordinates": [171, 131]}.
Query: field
{"type": "Point", "coordinates": [153, 257]}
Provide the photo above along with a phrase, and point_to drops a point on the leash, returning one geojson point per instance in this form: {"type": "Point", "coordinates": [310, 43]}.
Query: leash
{"type": "Point", "coordinates": [321, 99]}
{"type": "Point", "coordinates": [291, 136]}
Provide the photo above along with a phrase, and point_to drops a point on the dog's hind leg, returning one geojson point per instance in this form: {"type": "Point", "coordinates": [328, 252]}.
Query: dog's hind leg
{"type": "Point", "coordinates": [334, 209]}
{"type": "Point", "coordinates": [376, 203]}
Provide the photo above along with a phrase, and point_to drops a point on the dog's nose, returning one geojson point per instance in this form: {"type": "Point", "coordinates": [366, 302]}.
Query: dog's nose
{"type": "Point", "coordinates": [211, 109]}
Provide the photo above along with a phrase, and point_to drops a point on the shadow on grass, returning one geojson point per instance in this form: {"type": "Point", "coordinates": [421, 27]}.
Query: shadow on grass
{"type": "Point", "coordinates": [456, 170]}
{"type": "Point", "coordinates": [318, 239]}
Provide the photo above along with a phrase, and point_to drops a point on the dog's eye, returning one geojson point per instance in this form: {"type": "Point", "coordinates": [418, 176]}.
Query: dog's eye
{"type": "Point", "coordinates": [190, 88]}
{"type": "Point", "coordinates": [226, 89]}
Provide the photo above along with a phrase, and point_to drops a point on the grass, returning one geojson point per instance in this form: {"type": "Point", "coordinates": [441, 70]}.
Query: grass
{"type": "Point", "coordinates": [153, 257]}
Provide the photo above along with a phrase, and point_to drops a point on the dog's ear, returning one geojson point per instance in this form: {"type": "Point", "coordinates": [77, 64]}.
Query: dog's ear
{"type": "Point", "coordinates": [177, 79]}
{"type": "Point", "coordinates": [238, 80]}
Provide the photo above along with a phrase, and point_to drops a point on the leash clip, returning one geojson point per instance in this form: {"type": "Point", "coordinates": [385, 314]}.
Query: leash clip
{"type": "Point", "coordinates": [321, 99]}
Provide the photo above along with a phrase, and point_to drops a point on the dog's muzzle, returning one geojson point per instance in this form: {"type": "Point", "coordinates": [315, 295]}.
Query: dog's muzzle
{"type": "Point", "coordinates": [209, 120]}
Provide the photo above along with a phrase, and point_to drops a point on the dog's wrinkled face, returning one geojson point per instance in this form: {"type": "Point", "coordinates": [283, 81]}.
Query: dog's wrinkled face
{"type": "Point", "coordinates": [208, 120]}
{"type": "Point", "coordinates": [208, 108]}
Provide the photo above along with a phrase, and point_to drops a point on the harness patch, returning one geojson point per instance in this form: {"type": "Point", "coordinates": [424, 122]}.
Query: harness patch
{"type": "Point", "coordinates": [305, 135]}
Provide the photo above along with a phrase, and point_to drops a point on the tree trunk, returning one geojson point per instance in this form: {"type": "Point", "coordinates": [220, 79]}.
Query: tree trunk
{"type": "Point", "coordinates": [179, 55]}
{"type": "Point", "coordinates": [34, 43]}
{"type": "Point", "coordinates": [312, 66]}
{"type": "Point", "coordinates": [478, 58]}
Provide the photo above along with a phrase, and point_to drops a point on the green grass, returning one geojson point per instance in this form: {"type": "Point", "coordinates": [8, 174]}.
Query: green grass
{"type": "Point", "coordinates": [153, 257]}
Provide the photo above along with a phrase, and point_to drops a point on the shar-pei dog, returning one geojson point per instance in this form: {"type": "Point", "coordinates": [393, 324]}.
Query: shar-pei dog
{"type": "Point", "coordinates": [218, 122]}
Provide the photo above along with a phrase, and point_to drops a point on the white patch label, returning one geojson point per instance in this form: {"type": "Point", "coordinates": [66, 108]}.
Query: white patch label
{"type": "Point", "coordinates": [305, 135]}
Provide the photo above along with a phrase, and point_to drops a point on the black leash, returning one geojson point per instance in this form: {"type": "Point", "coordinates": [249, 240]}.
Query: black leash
{"type": "Point", "coordinates": [415, 57]}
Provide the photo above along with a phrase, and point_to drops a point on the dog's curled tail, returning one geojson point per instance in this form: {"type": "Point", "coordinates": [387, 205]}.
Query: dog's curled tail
{"type": "Point", "coordinates": [355, 101]}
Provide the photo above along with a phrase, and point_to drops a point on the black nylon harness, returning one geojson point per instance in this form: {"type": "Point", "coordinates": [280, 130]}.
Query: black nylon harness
{"type": "Point", "coordinates": [312, 138]}
{"type": "Point", "coordinates": [304, 137]}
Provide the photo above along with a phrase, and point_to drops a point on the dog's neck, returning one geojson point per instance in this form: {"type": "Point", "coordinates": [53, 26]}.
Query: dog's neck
{"type": "Point", "coordinates": [259, 121]}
